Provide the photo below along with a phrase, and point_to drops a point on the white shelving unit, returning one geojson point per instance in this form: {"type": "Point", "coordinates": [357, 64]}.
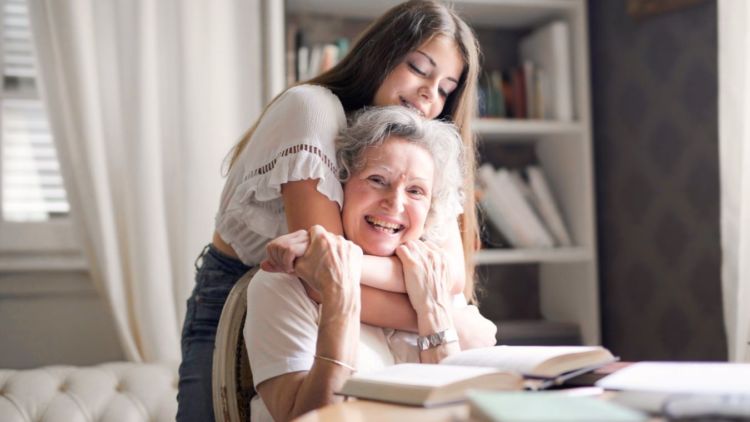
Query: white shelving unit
{"type": "Point", "coordinates": [568, 276]}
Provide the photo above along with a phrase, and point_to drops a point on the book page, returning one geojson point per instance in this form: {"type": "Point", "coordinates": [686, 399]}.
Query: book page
{"type": "Point", "coordinates": [681, 377]}
{"type": "Point", "coordinates": [422, 374]}
{"type": "Point", "coordinates": [526, 359]}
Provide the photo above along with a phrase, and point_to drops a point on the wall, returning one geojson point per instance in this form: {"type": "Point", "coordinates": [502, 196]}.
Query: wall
{"type": "Point", "coordinates": [51, 318]}
{"type": "Point", "coordinates": [654, 87]}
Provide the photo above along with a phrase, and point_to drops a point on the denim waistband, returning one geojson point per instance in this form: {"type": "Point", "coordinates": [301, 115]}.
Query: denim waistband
{"type": "Point", "coordinates": [211, 256]}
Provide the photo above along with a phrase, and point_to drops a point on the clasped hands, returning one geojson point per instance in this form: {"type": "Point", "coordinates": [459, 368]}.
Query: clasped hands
{"type": "Point", "coordinates": [330, 265]}
{"type": "Point", "coordinates": [319, 257]}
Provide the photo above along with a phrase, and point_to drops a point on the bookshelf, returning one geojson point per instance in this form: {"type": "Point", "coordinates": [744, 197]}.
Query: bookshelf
{"type": "Point", "coordinates": [568, 276]}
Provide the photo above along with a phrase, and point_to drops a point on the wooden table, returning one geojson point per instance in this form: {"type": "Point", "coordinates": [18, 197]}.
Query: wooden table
{"type": "Point", "coordinates": [366, 411]}
{"type": "Point", "coordinates": [370, 411]}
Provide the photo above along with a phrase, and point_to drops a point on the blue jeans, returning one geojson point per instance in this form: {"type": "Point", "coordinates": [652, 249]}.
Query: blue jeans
{"type": "Point", "coordinates": [215, 276]}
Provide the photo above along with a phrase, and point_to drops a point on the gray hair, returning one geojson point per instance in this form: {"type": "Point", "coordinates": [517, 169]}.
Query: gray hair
{"type": "Point", "coordinates": [373, 126]}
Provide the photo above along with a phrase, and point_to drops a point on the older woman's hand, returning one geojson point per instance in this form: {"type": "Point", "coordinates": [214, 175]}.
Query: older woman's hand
{"type": "Point", "coordinates": [282, 251]}
{"type": "Point", "coordinates": [427, 283]}
{"type": "Point", "coordinates": [426, 279]}
{"type": "Point", "coordinates": [331, 265]}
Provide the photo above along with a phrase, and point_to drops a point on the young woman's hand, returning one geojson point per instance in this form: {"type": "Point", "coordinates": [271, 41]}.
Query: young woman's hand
{"type": "Point", "coordinates": [474, 330]}
{"type": "Point", "coordinates": [282, 251]}
{"type": "Point", "coordinates": [331, 265]}
{"type": "Point", "coordinates": [426, 279]}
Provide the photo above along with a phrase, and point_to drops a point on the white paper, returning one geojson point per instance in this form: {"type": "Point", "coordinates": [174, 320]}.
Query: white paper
{"type": "Point", "coordinates": [681, 377]}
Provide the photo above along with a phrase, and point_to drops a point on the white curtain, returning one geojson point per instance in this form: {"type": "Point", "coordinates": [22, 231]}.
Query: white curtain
{"type": "Point", "coordinates": [145, 99]}
{"type": "Point", "coordinates": [734, 154]}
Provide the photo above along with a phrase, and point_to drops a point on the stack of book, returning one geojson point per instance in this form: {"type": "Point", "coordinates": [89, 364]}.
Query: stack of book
{"type": "Point", "coordinates": [540, 86]}
{"type": "Point", "coordinates": [307, 59]}
{"type": "Point", "coordinates": [494, 368]}
{"type": "Point", "coordinates": [520, 204]}
{"type": "Point", "coordinates": [312, 60]}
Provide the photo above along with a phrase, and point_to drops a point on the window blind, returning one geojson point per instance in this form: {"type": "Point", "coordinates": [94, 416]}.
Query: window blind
{"type": "Point", "coordinates": [32, 187]}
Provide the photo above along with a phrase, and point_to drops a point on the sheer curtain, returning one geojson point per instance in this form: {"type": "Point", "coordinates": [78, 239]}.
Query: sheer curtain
{"type": "Point", "coordinates": [145, 99]}
{"type": "Point", "coordinates": [734, 150]}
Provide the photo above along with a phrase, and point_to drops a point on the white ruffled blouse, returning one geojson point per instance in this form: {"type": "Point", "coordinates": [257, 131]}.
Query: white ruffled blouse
{"type": "Point", "coordinates": [294, 140]}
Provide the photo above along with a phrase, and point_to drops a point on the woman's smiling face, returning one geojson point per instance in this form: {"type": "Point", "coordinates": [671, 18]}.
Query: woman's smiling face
{"type": "Point", "coordinates": [387, 201]}
{"type": "Point", "coordinates": [424, 79]}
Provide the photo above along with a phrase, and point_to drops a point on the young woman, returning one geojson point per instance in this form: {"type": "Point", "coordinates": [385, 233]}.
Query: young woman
{"type": "Point", "coordinates": [402, 180]}
{"type": "Point", "coordinates": [281, 178]}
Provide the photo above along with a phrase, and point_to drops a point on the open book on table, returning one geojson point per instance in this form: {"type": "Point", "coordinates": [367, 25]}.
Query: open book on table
{"type": "Point", "coordinates": [684, 389]}
{"type": "Point", "coordinates": [492, 368]}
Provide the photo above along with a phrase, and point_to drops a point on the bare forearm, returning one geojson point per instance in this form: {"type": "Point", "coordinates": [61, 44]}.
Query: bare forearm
{"type": "Point", "coordinates": [387, 309]}
{"type": "Point", "coordinates": [386, 273]}
{"type": "Point", "coordinates": [338, 337]}
{"type": "Point", "coordinates": [383, 272]}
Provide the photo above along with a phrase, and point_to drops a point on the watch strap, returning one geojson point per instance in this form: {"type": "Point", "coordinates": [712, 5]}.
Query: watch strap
{"type": "Point", "coordinates": [437, 339]}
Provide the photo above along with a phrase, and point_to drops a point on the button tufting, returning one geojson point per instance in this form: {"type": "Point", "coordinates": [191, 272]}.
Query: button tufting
{"type": "Point", "coordinates": [94, 388]}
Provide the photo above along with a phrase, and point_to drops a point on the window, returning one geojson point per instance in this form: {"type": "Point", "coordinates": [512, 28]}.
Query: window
{"type": "Point", "coordinates": [35, 226]}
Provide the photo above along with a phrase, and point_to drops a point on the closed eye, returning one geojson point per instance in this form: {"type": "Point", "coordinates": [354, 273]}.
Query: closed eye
{"type": "Point", "coordinates": [446, 88]}
{"type": "Point", "coordinates": [417, 70]}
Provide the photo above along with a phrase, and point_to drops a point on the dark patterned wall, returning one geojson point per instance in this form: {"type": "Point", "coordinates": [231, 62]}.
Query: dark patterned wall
{"type": "Point", "coordinates": [654, 99]}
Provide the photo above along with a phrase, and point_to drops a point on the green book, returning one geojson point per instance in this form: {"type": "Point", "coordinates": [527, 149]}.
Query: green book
{"type": "Point", "coordinates": [538, 406]}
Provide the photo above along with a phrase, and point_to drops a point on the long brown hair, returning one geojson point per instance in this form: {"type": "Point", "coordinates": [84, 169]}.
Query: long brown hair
{"type": "Point", "coordinates": [377, 51]}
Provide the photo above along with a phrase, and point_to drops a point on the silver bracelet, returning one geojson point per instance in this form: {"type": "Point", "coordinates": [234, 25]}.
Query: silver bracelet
{"type": "Point", "coordinates": [337, 362]}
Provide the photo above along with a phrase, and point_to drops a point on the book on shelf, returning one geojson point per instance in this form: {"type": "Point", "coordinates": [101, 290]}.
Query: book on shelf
{"type": "Point", "coordinates": [494, 207]}
{"type": "Point", "coordinates": [694, 389]}
{"type": "Point", "coordinates": [524, 212]}
{"type": "Point", "coordinates": [518, 83]}
{"type": "Point", "coordinates": [533, 80]}
{"type": "Point", "coordinates": [514, 92]}
{"type": "Point", "coordinates": [309, 59]}
{"type": "Point", "coordinates": [494, 368]}
{"type": "Point", "coordinates": [491, 96]}
{"type": "Point", "coordinates": [549, 48]}
{"type": "Point", "coordinates": [545, 203]}
{"type": "Point", "coordinates": [494, 406]}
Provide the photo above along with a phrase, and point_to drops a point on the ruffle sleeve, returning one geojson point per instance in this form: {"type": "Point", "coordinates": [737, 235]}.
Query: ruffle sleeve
{"type": "Point", "coordinates": [293, 141]}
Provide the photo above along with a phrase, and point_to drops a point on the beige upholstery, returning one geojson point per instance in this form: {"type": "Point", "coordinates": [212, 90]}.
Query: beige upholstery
{"type": "Point", "coordinates": [120, 391]}
{"type": "Point", "coordinates": [232, 378]}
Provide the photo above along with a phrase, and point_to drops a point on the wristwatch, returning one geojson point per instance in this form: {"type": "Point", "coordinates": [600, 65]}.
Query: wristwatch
{"type": "Point", "coordinates": [437, 339]}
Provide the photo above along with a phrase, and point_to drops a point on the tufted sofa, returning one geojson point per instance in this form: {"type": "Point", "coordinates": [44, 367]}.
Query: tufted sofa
{"type": "Point", "coordinates": [120, 391]}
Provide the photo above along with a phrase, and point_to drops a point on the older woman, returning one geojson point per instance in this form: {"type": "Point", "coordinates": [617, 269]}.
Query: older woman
{"type": "Point", "coordinates": [402, 180]}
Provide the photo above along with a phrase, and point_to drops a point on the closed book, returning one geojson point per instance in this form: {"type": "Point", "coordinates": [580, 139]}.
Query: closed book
{"type": "Point", "coordinates": [549, 48]}
{"type": "Point", "coordinates": [520, 214]}
{"type": "Point", "coordinates": [495, 206]}
{"type": "Point", "coordinates": [493, 368]}
{"type": "Point", "coordinates": [518, 84]}
{"type": "Point", "coordinates": [488, 406]}
{"type": "Point", "coordinates": [547, 206]}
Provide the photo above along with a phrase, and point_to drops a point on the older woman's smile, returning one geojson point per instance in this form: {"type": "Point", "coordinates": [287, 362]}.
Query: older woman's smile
{"type": "Point", "coordinates": [385, 226]}
{"type": "Point", "coordinates": [386, 202]}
